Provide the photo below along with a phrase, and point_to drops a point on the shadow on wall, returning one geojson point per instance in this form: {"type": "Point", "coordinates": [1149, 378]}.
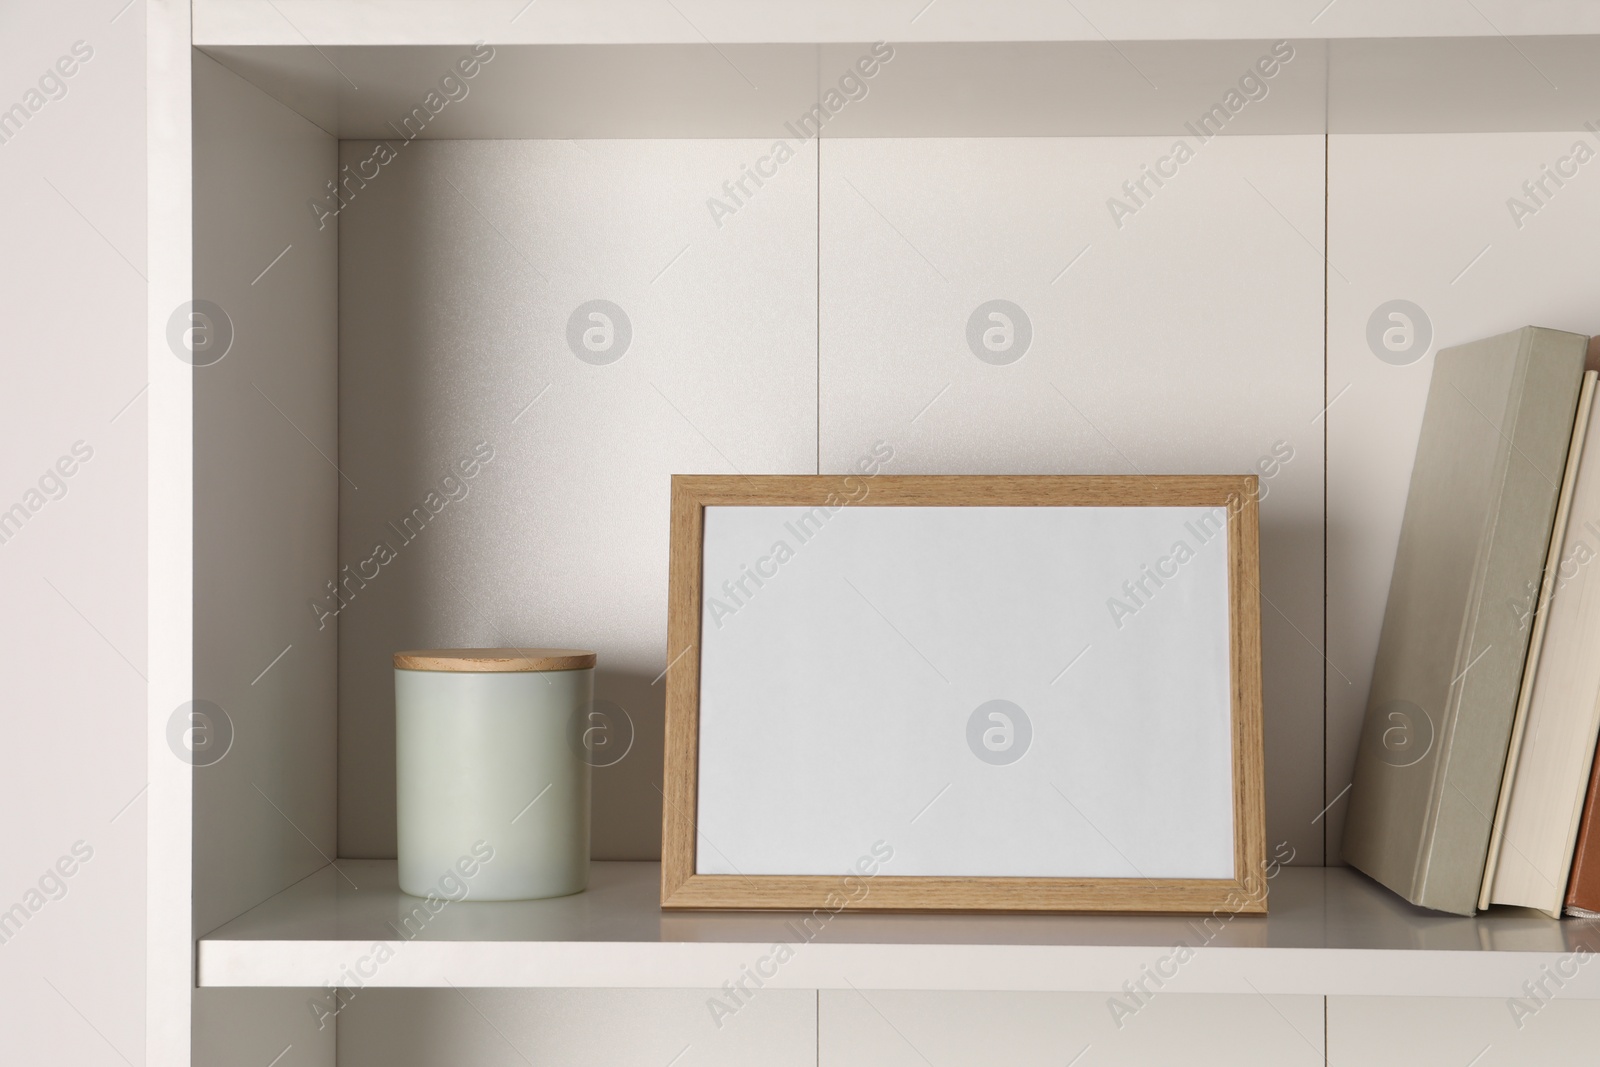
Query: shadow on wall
{"type": "Point", "coordinates": [481, 518]}
{"type": "Point", "coordinates": [627, 798]}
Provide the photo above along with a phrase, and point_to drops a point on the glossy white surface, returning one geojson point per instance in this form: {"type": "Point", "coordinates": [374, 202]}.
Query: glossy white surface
{"type": "Point", "coordinates": [1329, 931]}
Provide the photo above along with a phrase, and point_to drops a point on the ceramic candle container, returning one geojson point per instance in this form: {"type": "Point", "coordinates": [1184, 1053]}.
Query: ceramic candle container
{"type": "Point", "coordinates": [492, 787]}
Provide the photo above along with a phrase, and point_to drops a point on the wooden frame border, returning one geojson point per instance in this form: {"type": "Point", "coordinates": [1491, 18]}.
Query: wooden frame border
{"type": "Point", "coordinates": [682, 888]}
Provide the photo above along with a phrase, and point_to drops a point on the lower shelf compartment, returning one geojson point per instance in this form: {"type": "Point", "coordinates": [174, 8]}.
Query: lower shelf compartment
{"type": "Point", "coordinates": [1330, 931]}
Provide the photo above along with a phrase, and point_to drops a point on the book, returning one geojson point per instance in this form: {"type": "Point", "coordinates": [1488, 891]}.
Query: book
{"type": "Point", "coordinates": [1583, 884]}
{"type": "Point", "coordinates": [1479, 513]}
{"type": "Point", "coordinates": [1583, 881]}
{"type": "Point", "coordinates": [1558, 711]}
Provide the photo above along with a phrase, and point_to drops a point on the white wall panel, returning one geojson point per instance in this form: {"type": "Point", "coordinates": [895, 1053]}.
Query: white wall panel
{"type": "Point", "coordinates": [878, 1028]}
{"type": "Point", "coordinates": [462, 264]}
{"type": "Point", "coordinates": [1424, 218]}
{"type": "Point", "coordinates": [573, 1027]}
{"type": "Point", "coordinates": [263, 1027]}
{"type": "Point", "coordinates": [73, 548]}
{"type": "Point", "coordinates": [1186, 340]}
{"type": "Point", "coordinates": [1441, 1032]}
{"type": "Point", "coordinates": [265, 497]}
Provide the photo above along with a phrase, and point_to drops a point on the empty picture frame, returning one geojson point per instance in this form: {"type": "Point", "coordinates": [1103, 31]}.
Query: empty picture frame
{"type": "Point", "coordinates": [964, 693]}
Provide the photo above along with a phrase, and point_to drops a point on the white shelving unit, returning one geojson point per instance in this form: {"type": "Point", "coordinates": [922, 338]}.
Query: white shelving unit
{"type": "Point", "coordinates": [1225, 314]}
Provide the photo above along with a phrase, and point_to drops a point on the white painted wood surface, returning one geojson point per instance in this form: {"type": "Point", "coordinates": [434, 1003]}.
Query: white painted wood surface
{"type": "Point", "coordinates": [265, 495]}
{"type": "Point", "coordinates": [263, 1027]}
{"type": "Point", "coordinates": [1545, 1027]}
{"type": "Point", "coordinates": [169, 933]}
{"type": "Point", "coordinates": [1017, 88]}
{"type": "Point", "coordinates": [1330, 931]}
{"type": "Point", "coordinates": [573, 1027]}
{"type": "Point", "coordinates": [291, 22]}
{"type": "Point", "coordinates": [900, 1028]}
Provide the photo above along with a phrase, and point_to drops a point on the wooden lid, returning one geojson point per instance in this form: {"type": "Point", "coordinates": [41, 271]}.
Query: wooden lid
{"type": "Point", "coordinates": [503, 660]}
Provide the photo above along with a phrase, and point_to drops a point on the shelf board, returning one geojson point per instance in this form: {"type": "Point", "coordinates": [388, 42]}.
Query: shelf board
{"type": "Point", "coordinates": [1330, 931]}
{"type": "Point", "coordinates": [973, 89]}
{"type": "Point", "coordinates": [409, 22]}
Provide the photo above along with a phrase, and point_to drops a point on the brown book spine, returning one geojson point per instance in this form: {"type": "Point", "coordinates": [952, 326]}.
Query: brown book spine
{"type": "Point", "coordinates": [1583, 886]}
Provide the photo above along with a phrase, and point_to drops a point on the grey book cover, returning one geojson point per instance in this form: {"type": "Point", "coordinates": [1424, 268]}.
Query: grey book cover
{"type": "Point", "coordinates": [1455, 632]}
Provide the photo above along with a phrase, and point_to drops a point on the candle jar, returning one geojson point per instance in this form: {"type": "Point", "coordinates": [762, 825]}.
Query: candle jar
{"type": "Point", "coordinates": [492, 790]}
